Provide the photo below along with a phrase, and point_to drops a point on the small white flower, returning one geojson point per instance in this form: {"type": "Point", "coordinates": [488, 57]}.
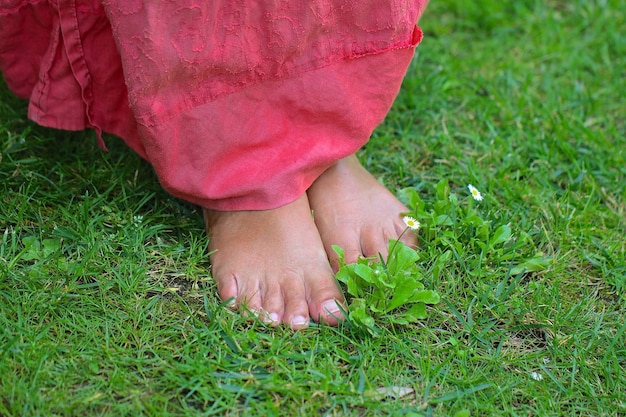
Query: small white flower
{"type": "Point", "coordinates": [411, 222]}
{"type": "Point", "coordinates": [475, 193]}
{"type": "Point", "coordinates": [536, 376]}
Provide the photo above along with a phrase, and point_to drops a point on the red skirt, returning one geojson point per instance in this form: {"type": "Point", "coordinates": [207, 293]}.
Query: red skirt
{"type": "Point", "coordinates": [238, 104]}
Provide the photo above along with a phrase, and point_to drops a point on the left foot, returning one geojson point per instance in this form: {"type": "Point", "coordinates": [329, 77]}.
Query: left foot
{"type": "Point", "coordinates": [354, 211]}
{"type": "Point", "coordinates": [273, 263]}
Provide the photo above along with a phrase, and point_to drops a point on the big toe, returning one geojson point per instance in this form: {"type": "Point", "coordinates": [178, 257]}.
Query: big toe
{"type": "Point", "coordinates": [326, 304]}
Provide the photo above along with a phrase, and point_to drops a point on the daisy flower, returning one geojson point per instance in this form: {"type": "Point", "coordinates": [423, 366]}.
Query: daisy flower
{"type": "Point", "coordinates": [475, 193]}
{"type": "Point", "coordinates": [411, 222]}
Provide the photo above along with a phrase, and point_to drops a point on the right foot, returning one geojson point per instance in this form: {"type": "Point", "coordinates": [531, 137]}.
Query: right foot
{"type": "Point", "coordinates": [273, 263]}
{"type": "Point", "coordinates": [354, 211]}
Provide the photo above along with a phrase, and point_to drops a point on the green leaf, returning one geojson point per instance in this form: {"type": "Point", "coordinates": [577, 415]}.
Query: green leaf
{"type": "Point", "coordinates": [343, 275]}
{"type": "Point", "coordinates": [339, 251]}
{"type": "Point", "coordinates": [412, 198]}
{"type": "Point", "coordinates": [377, 305]}
{"type": "Point", "coordinates": [50, 246]}
{"type": "Point", "coordinates": [416, 312]}
{"type": "Point", "coordinates": [401, 320]}
{"type": "Point", "coordinates": [359, 315]}
{"type": "Point", "coordinates": [346, 276]}
{"type": "Point", "coordinates": [352, 286]}
{"type": "Point", "coordinates": [401, 257]}
{"type": "Point", "coordinates": [443, 219]}
{"type": "Point", "coordinates": [425, 296]}
{"type": "Point", "coordinates": [443, 190]}
{"type": "Point", "coordinates": [540, 263]}
{"type": "Point", "coordinates": [29, 242]}
{"type": "Point", "coordinates": [365, 272]}
{"type": "Point", "coordinates": [501, 235]}
{"type": "Point", "coordinates": [475, 220]}
{"type": "Point", "coordinates": [403, 292]}
{"type": "Point", "coordinates": [32, 248]}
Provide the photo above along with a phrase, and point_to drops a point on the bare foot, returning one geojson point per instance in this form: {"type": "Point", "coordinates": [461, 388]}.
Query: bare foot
{"type": "Point", "coordinates": [273, 263]}
{"type": "Point", "coordinates": [354, 211]}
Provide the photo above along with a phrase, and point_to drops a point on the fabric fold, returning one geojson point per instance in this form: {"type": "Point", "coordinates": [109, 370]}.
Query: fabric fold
{"type": "Point", "coordinates": [237, 104]}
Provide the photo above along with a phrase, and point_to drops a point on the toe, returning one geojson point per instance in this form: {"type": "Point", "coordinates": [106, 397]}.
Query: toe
{"type": "Point", "coordinates": [299, 322]}
{"type": "Point", "coordinates": [410, 239]}
{"type": "Point", "coordinates": [325, 301]}
{"type": "Point", "coordinates": [374, 243]}
{"type": "Point", "coordinates": [243, 289]}
{"type": "Point", "coordinates": [350, 244]}
{"type": "Point", "coordinates": [227, 287]}
{"type": "Point", "coordinates": [331, 312]}
{"type": "Point", "coordinates": [296, 312]}
{"type": "Point", "coordinates": [273, 304]}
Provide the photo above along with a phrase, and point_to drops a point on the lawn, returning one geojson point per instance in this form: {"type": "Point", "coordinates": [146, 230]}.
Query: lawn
{"type": "Point", "coordinates": [107, 306]}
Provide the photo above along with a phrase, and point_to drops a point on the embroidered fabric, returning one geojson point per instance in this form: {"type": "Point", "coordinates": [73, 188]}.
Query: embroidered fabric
{"type": "Point", "coordinates": [238, 104]}
{"type": "Point", "coordinates": [173, 46]}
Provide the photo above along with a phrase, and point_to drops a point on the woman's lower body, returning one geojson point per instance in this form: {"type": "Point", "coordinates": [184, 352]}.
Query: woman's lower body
{"type": "Point", "coordinates": [252, 110]}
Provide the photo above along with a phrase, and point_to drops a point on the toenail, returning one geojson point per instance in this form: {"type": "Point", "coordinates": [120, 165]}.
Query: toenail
{"type": "Point", "coordinates": [331, 307]}
{"type": "Point", "coordinates": [267, 318]}
{"type": "Point", "coordinates": [299, 321]}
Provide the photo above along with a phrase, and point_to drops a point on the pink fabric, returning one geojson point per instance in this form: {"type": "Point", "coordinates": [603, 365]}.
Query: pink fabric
{"type": "Point", "coordinates": [238, 104]}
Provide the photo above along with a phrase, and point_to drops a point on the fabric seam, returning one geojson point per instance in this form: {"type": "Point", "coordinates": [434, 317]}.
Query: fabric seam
{"type": "Point", "coordinates": [149, 120]}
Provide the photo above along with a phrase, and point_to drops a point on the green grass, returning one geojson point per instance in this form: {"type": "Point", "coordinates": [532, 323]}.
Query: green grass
{"type": "Point", "coordinates": [107, 306]}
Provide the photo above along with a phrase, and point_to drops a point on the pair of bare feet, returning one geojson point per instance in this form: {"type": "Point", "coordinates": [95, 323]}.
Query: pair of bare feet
{"type": "Point", "coordinates": [279, 263]}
